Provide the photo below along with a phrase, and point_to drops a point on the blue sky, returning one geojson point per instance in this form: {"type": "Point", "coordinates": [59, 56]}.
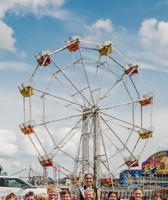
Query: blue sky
{"type": "Point", "coordinates": [138, 28]}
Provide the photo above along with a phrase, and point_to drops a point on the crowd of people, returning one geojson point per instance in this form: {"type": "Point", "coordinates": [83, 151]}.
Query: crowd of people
{"type": "Point", "coordinates": [86, 192]}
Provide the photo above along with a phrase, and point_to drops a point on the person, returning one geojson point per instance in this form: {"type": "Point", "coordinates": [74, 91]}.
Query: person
{"type": "Point", "coordinates": [157, 196]}
{"type": "Point", "coordinates": [11, 196]}
{"type": "Point", "coordinates": [137, 194]}
{"type": "Point", "coordinates": [52, 192]}
{"type": "Point", "coordinates": [88, 184]}
{"type": "Point", "coordinates": [89, 194]}
{"type": "Point", "coordinates": [112, 196]}
{"type": "Point", "coordinates": [65, 195]}
{"type": "Point", "coordinates": [42, 196]}
{"type": "Point", "coordinates": [29, 196]}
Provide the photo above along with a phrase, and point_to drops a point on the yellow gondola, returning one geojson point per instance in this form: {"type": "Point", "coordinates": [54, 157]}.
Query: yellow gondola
{"type": "Point", "coordinates": [146, 134]}
{"type": "Point", "coordinates": [105, 49]}
{"type": "Point", "coordinates": [75, 181]}
{"type": "Point", "coordinates": [26, 91]}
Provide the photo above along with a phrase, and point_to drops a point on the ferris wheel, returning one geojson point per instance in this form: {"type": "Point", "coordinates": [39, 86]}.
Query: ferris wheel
{"type": "Point", "coordinates": [87, 108]}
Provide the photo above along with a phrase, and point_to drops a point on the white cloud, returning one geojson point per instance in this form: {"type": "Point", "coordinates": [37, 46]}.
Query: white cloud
{"type": "Point", "coordinates": [7, 41]}
{"type": "Point", "coordinates": [4, 6]}
{"type": "Point", "coordinates": [154, 35]}
{"type": "Point", "coordinates": [38, 7]}
{"type": "Point", "coordinates": [22, 7]}
{"type": "Point", "coordinates": [150, 42]}
{"type": "Point", "coordinates": [10, 165]}
{"type": "Point", "coordinates": [22, 55]}
{"type": "Point", "coordinates": [8, 146]}
{"type": "Point", "coordinates": [28, 147]}
{"type": "Point", "coordinates": [14, 66]}
{"type": "Point", "coordinates": [159, 141]}
{"type": "Point", "coordinates": [97, 29]}
{"type": "Point", "coordinates": [160, 3]}
{"type": "Point", "coordinates": [163, 144]}
{"type": "Point", "coordinates": [104, 25]}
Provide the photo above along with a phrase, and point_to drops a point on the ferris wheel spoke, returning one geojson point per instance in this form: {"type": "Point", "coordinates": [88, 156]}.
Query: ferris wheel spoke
{"type": "Point", "coordinates": [35, 73]}
{"type": "Point", "coordinates": [119, 151]}
{"type": "Point", "coordinates": [130, 125]}
{"type": "Point", "coordinates": [125, 124]}
{"type": "Point", "coordinates": [34, 146]}
{"type": "Point", "coordinates": [119, 139]}
{"type": "Point", "coordinates": [38, 143]}
{"type": "Point", "coordinates": [77, 158]}
{"type": "Point", "coordinates": [74, 86]}
{"type": "Point", "coordinates": [66, 89]}
{"type": "Point", "coordinates": [69, 102]}
{"type": "Point", "coordinates": [60, 150]}
{"type": "Point", "coordinates": [86, 77]}
{"type": "Point", "coordinates": [144, 146]}
{"type": "Point", "coordinates": [77, 78]}
{"type": "Point", "coordinates": [58, 120]}
{"type": "Point", "coordinates": [116, 61]}
{"type": "Point", "coordinates": [109, 92]}
{"type": "Point", "coordinates": [101, 81]}
{"type": "Point", "coordinates": [120, 105]}
{"type": "Point", "coordinates": [60, 166]}
{"type": "Point", "coordinates": [135, 87]}
{"type": "Point", "coordinates": [122, 54]}
{"type": "Point", "coordinates": [71, 134]}
{"type": "Point", "coordinates": [120, 81]}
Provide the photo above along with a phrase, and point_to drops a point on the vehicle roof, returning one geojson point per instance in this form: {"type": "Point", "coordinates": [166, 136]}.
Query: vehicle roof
{"type": "Point", "coordinates": [8, 176]}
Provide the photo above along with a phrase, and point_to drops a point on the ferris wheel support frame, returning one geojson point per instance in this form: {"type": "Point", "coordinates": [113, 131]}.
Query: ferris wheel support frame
{"type": "Point", "coordinates": [96, 148]}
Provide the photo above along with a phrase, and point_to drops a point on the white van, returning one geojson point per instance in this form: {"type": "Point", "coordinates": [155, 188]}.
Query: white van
{"type": "Point", "coordinates": [18, 186]}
